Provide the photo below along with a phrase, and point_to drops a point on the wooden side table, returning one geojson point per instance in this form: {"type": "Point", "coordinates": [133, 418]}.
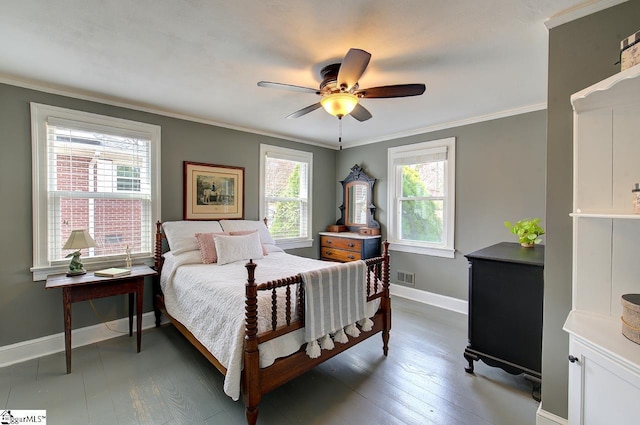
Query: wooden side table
{"type": "Point", "coordinates": [89, 286]}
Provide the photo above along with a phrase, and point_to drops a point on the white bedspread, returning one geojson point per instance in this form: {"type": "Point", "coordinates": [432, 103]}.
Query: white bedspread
{"type": "Point", "coordinates": [209, 300]}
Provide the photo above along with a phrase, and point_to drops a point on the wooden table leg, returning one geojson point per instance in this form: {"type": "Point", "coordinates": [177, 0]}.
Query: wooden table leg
{"type": "Point", "coordinates": [131, 294]}
{"type": "Point", "coordinates": [139, 299]}
{"type": "Point", "coordinates": [66, 306]}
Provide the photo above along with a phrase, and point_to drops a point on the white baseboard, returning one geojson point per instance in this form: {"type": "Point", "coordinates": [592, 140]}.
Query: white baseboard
{"type": "Point", "coordinates": [27, 350]}
{"type": "Point", "coordinates": [442, 301]}
{"type": "Point", "coordinates": [545, 418]}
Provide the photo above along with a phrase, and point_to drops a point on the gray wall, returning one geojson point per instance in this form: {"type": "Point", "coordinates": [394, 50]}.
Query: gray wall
{"type": "Point", "coordinates": [581, 53]}
{"type": "Point", "coordinates": [500, 174]}
{"type": "Point", "coordinates": [493, 184]}
{"type": "Point", "coordinates": [27, 311]}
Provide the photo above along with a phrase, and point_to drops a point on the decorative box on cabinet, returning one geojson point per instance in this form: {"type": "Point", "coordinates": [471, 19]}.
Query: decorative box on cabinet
{"type": "Point", "coordinates": [505, 309]}
{"type": "Point", "coordinates": [348, 246]}
{"type": "Point", "coordinates": [604, 369]}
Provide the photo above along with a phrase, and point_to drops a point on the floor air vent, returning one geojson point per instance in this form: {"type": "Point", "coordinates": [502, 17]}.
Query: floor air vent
{"type": "Point", "coordinates": [406, 278]}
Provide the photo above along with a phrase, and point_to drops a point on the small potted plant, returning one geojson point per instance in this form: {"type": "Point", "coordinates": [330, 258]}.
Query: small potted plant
{"type": "Point", "coordinates": [527, 230]}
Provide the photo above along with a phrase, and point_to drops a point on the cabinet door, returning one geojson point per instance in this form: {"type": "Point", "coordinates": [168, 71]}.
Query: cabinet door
{"type": "Point", "coordinates": [601, 390]}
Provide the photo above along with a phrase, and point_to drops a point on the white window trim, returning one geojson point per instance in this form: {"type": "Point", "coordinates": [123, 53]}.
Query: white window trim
{"type": "Point", "coordinates": [40, 113]}
{"type": "Point", "coordinates": [294, 155]}
{"type": "Point", "coordinates": [447, 249]}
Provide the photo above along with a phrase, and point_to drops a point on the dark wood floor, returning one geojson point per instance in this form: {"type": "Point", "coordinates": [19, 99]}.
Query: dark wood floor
{"type": "Point", "coordinates": [421, 382]}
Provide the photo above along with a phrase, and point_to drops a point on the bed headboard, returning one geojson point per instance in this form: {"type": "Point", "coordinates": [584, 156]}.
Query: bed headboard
{"type": "Point", "coordinates": [162, 245]}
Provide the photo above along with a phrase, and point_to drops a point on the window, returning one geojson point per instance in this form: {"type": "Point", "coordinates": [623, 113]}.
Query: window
{"type": "Point", "coordinates": [128, 178]}
{"type": "Point", "coordinates": [285, 194]}
{"type": "Point", "coordinates": [422, 197]}
{"type": "Point", "coordinates": [97, 173]}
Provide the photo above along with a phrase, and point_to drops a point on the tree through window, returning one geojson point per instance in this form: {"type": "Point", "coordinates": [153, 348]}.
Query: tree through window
{"type": "Point", "coordinates": [422, 197]}
{"type": "Point", "coordinates": [286, 193]}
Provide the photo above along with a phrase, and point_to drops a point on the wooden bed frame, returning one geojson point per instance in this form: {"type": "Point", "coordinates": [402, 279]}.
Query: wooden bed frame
{"type": "Point", "coordinates": [257, 381]}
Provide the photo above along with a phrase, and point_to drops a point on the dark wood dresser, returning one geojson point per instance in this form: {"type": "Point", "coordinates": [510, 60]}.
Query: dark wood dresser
{"type": "Point", "coordinates": [348, 246]}
{"type": "Point", "coordinates": [506, 287]}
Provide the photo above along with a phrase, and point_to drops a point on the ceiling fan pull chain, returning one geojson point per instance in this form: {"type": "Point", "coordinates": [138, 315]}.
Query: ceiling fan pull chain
{"type": "Point", "coordinates": [340, 135]}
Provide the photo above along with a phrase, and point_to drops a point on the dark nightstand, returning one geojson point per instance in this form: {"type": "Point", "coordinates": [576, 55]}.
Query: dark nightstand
{"type": "Point", "coordinates": [88, 286]}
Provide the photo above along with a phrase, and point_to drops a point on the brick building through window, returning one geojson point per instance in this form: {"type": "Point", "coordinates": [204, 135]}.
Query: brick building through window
{"type": "Point", "coordinates": [96, 173]}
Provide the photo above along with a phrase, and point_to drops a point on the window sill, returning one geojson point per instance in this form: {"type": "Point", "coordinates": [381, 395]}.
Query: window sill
{"type": "Point", "coordinates": [41, 273]}
{"type": "Point", "coordinates": [423, 250]}
{"type": "Point", "coordinates": [300, 243]}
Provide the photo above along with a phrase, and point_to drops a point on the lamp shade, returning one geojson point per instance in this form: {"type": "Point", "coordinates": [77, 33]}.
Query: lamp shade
{"type": "Point", "coordinates": [79, 239]}
{"type": "Point", "coordinates": [339, 104]}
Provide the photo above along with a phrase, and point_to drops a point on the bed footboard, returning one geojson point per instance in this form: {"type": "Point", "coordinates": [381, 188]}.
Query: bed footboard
{"type": "Point", "coordinates": [256, 381]}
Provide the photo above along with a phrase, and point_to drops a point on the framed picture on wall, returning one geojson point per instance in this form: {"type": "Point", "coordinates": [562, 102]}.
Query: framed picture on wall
{"type": "Point", "coordinates": [212, 192]}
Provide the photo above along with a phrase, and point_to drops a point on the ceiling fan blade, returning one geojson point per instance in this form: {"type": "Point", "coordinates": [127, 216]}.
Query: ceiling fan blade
{"type": "Point", "coordinates": [304, 111]}
{"type": "Point", "coordinates": [360, 113]}
{"type": "Point", "coordinates": [400, 90]}
{"type": "Point", "coordinates": [352, 68]}
{"type": "Point", "coordinates": [290, 87]}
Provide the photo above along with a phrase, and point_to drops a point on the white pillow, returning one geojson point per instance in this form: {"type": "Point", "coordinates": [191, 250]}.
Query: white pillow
{"type": "Point", "coordinates": [181, 234]}
{"type": "Point", "coordinates": [240, 225]}
{"type": "Point", "coordinates": [236, 248]}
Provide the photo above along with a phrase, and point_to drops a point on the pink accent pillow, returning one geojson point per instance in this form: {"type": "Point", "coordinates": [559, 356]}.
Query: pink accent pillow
{"type": "Point", "coordinates": [208, 246]}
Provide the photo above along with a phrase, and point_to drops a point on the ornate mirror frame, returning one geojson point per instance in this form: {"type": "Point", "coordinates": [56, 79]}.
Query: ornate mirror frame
{"type": "Point", "coordinates": [355, 179]}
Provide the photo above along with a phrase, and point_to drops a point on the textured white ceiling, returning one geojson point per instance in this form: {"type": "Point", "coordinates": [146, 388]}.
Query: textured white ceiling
{"type": "Point", "coordinates": [202, 58]}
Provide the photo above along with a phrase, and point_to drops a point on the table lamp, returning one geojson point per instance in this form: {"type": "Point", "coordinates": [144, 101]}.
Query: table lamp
{"type": "Point", "coordinates": [78, 239]}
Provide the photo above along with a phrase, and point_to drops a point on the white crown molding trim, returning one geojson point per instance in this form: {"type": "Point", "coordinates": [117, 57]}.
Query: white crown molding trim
{"type": "Point", "coordinates": [454, 124]}
{"type": "Point", "coordinates": [580, 11]}
{"type": "Point", "coordinates": [545, 418]}
{"type": "Point", "coordinates": [12, 81]}
{"type": "Point", "coordinates": [425, 297]}
{"type": "Point", "coordinates": [27, 350]}
{"type": "Point", "coordinates": [31, 85]}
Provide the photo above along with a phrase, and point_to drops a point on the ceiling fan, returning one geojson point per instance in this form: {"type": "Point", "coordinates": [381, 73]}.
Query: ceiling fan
{"type": "Point", "coordinates": [340, 91]}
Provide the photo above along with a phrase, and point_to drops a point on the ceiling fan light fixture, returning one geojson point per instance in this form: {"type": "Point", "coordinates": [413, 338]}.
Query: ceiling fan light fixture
{"type": "Point", "coordinates": [339, 104]}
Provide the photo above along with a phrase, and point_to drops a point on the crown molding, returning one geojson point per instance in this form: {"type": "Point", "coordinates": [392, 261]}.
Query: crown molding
{"type": "Point", "coordinates": [92, 97]}
{"type": "Point", "coordinates": [580, 11]}
{"type": "Point", "coordinates": [454, 124]}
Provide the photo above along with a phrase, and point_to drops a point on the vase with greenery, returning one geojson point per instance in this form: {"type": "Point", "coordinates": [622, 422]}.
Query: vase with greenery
{"type": "Point", "coordinates": [528, 231]}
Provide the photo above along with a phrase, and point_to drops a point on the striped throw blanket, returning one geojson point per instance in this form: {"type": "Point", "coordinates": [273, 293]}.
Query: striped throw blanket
{"type": "Point", "coordinates": [335, 299]}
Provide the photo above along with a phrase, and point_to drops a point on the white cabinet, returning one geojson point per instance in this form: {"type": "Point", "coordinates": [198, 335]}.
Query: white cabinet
{"type": "Point", "coordinates": [604, 378]}
{"type": "Point", "coordinates": [602, 391]}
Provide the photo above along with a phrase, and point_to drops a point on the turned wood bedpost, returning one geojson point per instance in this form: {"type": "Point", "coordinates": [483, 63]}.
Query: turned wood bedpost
{"type": "Point", "coordinates": [251, 374]}
{"type": "Point", "coordinates": [386, 300]}
{"type": "Point", "coordinates": [157, 257]}
{"type": "Point", "coordinates": [158, 262]}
